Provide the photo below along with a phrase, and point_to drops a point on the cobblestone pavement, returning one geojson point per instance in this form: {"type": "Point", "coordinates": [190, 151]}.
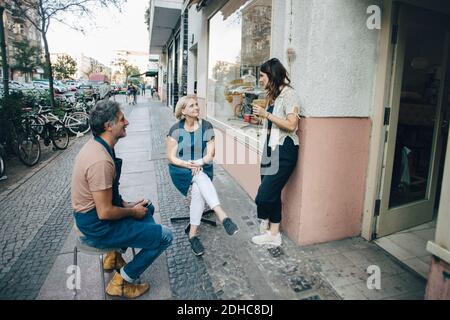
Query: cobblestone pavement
{"type": "Point", "coordinates": [232, 268]}
{"type": "Point", "coordinates": [17, 172]}
{"type": "Point", "coordinates": [189, 278]}
{"type": "Point", "coordinates": [33, 226]}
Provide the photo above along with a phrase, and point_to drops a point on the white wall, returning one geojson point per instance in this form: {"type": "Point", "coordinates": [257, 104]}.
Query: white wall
{"type": "Point", "coordinates": [334, 71]}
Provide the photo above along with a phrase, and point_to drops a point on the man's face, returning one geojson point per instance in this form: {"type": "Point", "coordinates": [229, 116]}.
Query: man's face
{"type": "Point", "coordinates": [119, 128]}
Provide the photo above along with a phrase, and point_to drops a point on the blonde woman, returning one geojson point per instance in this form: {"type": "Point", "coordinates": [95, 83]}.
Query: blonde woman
{"type": "Point", "coordinates": [190, 152]}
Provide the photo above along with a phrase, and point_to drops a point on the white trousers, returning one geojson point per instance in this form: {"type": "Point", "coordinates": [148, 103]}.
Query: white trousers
{"type": "Point", "coordinates": [202, 190]}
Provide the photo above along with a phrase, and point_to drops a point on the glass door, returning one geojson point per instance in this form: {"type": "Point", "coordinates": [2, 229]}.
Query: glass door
{"type": "Point", "coordinates": [414, 143]}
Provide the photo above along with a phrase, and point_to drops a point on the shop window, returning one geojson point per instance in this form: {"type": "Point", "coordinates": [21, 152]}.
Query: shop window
{"type": "Point", "coordinates": [239, 42]}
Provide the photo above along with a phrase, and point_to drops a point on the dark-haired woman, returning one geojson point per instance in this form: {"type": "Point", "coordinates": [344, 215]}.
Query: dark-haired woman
{"type": "Point", "coordinates": [281, 148]}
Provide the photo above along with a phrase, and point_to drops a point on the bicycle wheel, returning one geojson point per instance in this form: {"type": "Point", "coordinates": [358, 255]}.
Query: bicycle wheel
{"type": "Point", "coordinates": [59, 135]}
{"type": "Point", "coordinates": [78, 122]}
{"type": "Point", "coordinates": [28, 149]}
{"type": "Point", "coordinates": [2, 166]}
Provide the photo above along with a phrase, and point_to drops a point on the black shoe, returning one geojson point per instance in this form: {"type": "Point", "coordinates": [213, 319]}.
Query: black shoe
{"type": "Point", "coordinates": [230, 227]}
{"type": "Point", "coordinates": [196, 246]}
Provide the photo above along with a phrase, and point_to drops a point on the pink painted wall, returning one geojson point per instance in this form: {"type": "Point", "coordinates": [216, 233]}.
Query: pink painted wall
{"type": "Point", "coordinates": [324, 199]}
{"type": "Point", "coordinates": [247, 175]}
{"type": "Point", "coordinates": [438, 288]}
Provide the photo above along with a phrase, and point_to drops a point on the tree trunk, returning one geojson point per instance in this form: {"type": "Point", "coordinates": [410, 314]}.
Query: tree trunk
{"type": "Point", "coordinates": [4, 56]}
{"type": "Point", "coordinates": [50, 71]}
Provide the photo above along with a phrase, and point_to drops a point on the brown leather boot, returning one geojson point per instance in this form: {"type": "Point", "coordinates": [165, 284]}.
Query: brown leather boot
{"type": "Point", "coordinates": [120, 288]}
{"type": "Point", "coordinates": [113, 261]}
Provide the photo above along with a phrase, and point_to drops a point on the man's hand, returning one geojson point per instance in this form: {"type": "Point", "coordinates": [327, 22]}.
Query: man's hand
{"type": "Point", "coordinates": [132, 204]}
{"type": "Point", "coordinates": [139, 210]}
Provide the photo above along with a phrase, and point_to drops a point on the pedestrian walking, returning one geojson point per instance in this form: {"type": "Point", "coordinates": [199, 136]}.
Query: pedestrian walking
{"type": "Point", "coordinates": [129, 93]}
{"type": "Point", "coordinates": [103, 218]}
{"type": "Point", "coordinates": [280, 123]}
{"type": "Point", "coordinates": [143, 89]}
{"type": "Point", "coordinates": [132, 94]}
{"type": "Point", "coordinates": [190, 151]}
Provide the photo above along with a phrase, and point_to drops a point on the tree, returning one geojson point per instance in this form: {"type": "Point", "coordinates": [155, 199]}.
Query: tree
{"type": "Point", "coordinates": [40, 13]}
{"type": "Point", "coordinates": [127, 69]}
{"type": "Point", "coordinates": [26, 58]}
{"type": "Point", "coordinates": [65, 67]}
{"type": "Point", "coordinates": [5, 66]}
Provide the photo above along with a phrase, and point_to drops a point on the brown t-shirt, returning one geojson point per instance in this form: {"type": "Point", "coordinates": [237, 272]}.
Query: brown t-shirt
{"type": "Point", "coordinates": [94, 170]}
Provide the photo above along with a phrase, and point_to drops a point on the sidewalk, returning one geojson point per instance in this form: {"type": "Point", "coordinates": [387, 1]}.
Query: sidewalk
{"type": "Point", "coordinates": [232, 267]}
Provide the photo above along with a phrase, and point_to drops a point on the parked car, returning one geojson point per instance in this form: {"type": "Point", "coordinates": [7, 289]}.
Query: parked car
{"type": "Point", "coordinates": [85, 88]}
{"type": "Point", "coordinates": [58, 86]}
{"type": "Point", "coordinates": [71, 85]}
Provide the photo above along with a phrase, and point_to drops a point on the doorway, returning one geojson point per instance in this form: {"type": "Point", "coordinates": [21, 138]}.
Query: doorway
{"type": "Point", "coordinates": [416, 137]}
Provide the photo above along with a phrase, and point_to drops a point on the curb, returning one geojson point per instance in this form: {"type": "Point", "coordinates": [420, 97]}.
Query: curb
{"type": "Point", "coordinates": [34, 171]}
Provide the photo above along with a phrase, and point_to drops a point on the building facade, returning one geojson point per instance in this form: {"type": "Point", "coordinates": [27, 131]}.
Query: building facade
{"type": "Point", "coordinates": [374, 84]}
{"type": "Point", "coordinates": [17, 28]}
{"type": "Point", "coordinates": [87, 66]}
{"type": "Point", "coordinates": [168, 29]}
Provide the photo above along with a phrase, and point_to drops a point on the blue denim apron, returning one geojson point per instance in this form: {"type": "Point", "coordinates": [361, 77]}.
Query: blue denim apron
{"type": "Point", "coordinates": [182, 177]}
{"type": "Point", "coordinates": [89, 223]}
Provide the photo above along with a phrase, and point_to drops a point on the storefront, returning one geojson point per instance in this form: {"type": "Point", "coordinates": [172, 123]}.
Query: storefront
{"type": "Point", "coordinates": [374, 106]}
{"type": "Point", "coordinates": [406, 202]}
{"type": "Point", "coordinates": [167, 34]}
{"type": "Point", "coordinates": [323, 200]}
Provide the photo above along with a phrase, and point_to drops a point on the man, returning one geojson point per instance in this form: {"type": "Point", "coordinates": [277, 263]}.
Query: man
{"type": "Point", "coordinates": [143, 89]}
{"type": "Point", "coordinates": [101, 215]}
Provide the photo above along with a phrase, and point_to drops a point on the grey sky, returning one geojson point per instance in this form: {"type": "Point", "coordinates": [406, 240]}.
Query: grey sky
{"type": "Point", "coordinates": [116, 31]}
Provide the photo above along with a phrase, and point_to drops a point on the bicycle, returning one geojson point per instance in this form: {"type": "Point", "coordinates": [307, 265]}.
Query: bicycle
{"type": "Point", "coordinates": [21, 141]}
{"type": "Point", "coordinates": [2, 163]}
{"type": "Point", "coordinates": [77, 122]}
{"type": "Point", "coordinates": [51, 129]}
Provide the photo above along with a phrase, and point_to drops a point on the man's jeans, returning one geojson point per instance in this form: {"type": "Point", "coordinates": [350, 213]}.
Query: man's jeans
{"type": "Point", "coordinates": [134, 233]}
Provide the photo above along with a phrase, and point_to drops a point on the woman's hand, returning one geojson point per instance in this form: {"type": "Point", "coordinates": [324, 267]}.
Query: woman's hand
{"type": "Point", "coordinates": [195, 166]}
{"type": "Point", "coordinates": [259, 111]}
{"type": "Point", "coordinates": [196, 170]}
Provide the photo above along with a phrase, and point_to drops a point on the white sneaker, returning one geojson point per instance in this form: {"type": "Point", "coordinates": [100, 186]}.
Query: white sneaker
{"type": "Point", "coordinates": [264, 226]}
{"type": "Point", "coordinates": [267, 239]}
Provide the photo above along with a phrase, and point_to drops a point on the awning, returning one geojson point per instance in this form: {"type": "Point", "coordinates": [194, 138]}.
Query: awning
{"type": "Point", "coordinates": [200, 3]}
{"type": "Point", "coordinates": [164, 16]}
{"type": "Point", "coordinates": [98, 77]}
{"type": "Point", "coordinates": [231, 6]}
{"type": "Point", "coordinates": [151, 73]}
